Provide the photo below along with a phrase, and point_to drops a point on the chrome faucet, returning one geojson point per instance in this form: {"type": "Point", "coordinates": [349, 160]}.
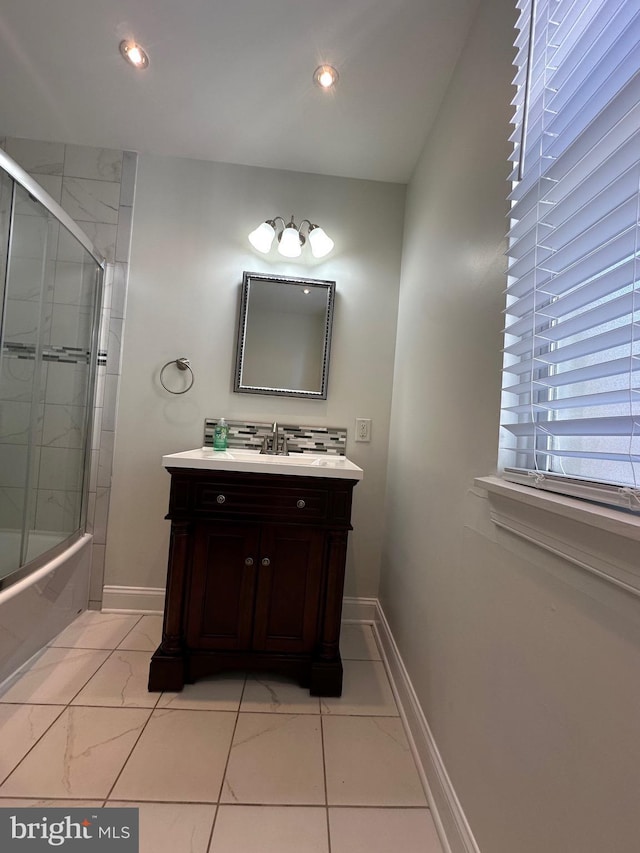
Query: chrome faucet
{"type": "Point", "coordinates": [276, 445]}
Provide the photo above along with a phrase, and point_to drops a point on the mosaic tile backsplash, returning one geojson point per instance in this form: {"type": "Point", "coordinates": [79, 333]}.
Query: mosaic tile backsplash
{"type": "Point", "coordinates": [300, 439]}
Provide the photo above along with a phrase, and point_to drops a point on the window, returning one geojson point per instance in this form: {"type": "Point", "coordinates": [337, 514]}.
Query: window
{"type": "Point", "coordinates": [571, 378]}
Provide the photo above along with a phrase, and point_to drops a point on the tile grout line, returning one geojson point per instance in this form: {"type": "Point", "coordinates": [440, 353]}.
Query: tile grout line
{"type": "Point", "coordinates": [238, 711]}
{"type": "Point", "coordinates": [142, 730]}
{"type": "Point", "coordinates": [402, 715]}
{"type": "Point", "coordinates": [318, 806]}
{"type": "Point", "coordinates": [135, 624]}
{"type": "Point", "coordinates": [121, 705]}
{"type": "Point", "coordinates": [126, 761]}
{"type": "Point", "coordinates": [150, 710]}
{"type": "Point", "coordinates": [324, 772]}
{"type": "Point", "coordinates": [111, 648]}
{"type": "Point", "coordinates": [224, 772]}
{"type": "Point", "coordinates": [33, 746]}
{"type": "Point", "coordinates": [81, 648]}
{"type": "Point", "coordinates": [157, 707]}
{"type": "Point", "coordinates": [336, 806]}
{"type": "Point", "coordinates": [65, 707]}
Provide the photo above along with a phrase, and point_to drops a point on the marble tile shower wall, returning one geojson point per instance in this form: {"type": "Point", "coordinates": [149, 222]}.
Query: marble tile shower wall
{"type": "Point", "coordinates": [96, 188]}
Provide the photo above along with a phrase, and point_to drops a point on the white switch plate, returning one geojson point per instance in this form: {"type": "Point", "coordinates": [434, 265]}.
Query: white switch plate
{"type": "Point", "coordinates": [363, 429]}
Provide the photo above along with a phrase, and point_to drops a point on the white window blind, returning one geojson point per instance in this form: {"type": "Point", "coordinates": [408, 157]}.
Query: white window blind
{"type": "Point", "coordinates": [571, 380]}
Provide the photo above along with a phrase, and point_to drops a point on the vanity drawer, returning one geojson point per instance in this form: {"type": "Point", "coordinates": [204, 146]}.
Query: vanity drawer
{"type": "Point", "coordinates": [292, 503]}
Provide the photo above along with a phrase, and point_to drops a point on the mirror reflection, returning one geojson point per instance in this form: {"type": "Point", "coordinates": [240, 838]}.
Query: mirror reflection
{"type": "Point", "coordinates": [284, 336]}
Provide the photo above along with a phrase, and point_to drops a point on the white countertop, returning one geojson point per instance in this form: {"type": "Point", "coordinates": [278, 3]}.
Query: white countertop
{"type": "Point", "coordinates": [252, 461]}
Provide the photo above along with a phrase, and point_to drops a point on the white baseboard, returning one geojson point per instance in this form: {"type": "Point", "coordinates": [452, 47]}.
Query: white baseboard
{"type": "Point", "coordinates": [142, 599]}
{"type": "Point", "coordinates": [451, 823]}
{"type": "Point", "coordinates": [133, 599]}
{"type": "Point", "coordinates": [359, 609]}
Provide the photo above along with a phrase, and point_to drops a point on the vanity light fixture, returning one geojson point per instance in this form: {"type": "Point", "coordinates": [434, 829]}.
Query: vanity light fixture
{"type": "Point", "coordinates": [290, 238]}
{"type": "Point", "coordinates": [325, 76]}
{"type": "Point", "coordinates": [134, 54]}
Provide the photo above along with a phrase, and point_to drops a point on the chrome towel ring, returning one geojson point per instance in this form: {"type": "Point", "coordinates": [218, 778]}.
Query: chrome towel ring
{"type": "Point", "coordinates": [182, 364]}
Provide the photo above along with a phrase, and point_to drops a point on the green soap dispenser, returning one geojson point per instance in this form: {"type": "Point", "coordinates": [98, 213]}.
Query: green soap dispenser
{"type": "Point", "coordinates": [220, 434]}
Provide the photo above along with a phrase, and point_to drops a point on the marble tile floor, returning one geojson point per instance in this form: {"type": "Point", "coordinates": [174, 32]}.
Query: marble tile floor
{"type": "Point", "coordinates": [232, 764]}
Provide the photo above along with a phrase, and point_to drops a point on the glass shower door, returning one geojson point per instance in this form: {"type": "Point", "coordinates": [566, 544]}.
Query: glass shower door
{"type": "Point", "coordinates": [10, 499]}
{"type": "Point", "coordinates": [68, 368]}
{"type": "Point", "coordinates": [47, 352]}
{"type": "Point", "coordinates": [28, 247]}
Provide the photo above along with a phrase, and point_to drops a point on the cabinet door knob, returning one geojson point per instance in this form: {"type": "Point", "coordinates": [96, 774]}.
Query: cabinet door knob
{"type": "Point", "coordinates": [248, 561]}
{"type": "Point", "coordinates": [221, 499]}
{"type": "Point", "coordinates": [266, 561]}
{"type": "Point", "coordinates": [301, 504]}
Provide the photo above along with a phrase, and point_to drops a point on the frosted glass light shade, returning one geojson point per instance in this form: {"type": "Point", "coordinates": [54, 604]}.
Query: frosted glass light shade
{"type": "Point", "coordinates": [262, 238]}
{"type": "Point", "coordinates": [321, 243]}
{"type": "Point", "coordinates": [290, 239]}
{"type": "Point", "coordinates": [290, 244]}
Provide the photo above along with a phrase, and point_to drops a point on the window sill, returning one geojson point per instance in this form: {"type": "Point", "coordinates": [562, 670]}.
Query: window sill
{"type": "Point", "coordinates": [600, 540]}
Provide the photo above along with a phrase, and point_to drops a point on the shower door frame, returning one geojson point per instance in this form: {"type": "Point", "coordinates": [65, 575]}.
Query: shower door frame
{"type": "Point", "coordinates": [18, 175]}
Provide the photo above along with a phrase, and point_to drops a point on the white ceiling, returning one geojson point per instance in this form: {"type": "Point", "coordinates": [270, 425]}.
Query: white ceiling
{"type": "Point", "coordinates": [231, 80]}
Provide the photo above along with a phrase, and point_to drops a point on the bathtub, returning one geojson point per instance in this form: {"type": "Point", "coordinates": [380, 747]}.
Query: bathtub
{"type": "Point", "coordinates": [36, 608]}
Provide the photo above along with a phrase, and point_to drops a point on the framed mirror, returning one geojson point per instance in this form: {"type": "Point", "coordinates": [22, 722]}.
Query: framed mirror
{"type": "Point", "coordinates": [284, 336]}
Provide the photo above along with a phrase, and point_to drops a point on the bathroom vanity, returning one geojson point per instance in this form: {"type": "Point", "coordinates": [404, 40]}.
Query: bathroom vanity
{"type": "Point", "coordinates": [256, 567]}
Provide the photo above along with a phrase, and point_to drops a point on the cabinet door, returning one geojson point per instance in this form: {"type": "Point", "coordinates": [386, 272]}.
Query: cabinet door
{"type": "Point", "coordinates": [288, 589]}
{"type": "Point", "coordinates": [223, 577]}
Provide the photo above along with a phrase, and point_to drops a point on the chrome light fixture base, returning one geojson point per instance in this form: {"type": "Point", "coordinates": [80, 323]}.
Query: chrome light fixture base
{"type": "Point", "coordinates": [134, 54]}
{"type": "Point", "coordinates": [325, 76]}
{"type": "Point", "coordinates": [290, 238]}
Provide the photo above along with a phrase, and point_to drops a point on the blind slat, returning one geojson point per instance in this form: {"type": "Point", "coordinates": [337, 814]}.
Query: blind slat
{"type": "Point", "coordinates": [604, 258]}
{"type": "Point", "coordinates": [586, 454]}
{"type": "Point", "coordinates": [590, 345]}
{"type": "Point", "coordinates": [541, 324]}
{"type": "Point", "coordinates": [611, 129]}
{"type": "Point", "coordinates": [595, 289]}
{"type": "Point", "coordinates": [595, 427]}
{"type": "Point", "coordinates": [605, 398]}
{"type": "Point", "coordinates": [600, 370]}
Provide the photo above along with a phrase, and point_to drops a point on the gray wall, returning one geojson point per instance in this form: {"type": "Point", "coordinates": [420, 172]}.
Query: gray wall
{"type": "Point", "coordinates": [189, 250]}
{"type": "Point", "coordinates": [527, 669]}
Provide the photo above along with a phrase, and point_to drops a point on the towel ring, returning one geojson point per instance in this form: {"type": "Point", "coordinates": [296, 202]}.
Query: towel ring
{"type": "Point", "coordinates": [182, 364]}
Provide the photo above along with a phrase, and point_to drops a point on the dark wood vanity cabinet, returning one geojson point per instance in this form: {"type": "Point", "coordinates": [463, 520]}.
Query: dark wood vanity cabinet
{"type": "Point", "coordinates": [254, 587]}
{"type": "Point", "coordinates": [255, 577]}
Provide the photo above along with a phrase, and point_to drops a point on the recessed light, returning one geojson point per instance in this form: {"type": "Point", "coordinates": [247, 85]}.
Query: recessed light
{"type": "Point", "coordinates": [325, 76]}
{"type": "Point", "coordinates": [134, 54]}
{"type": "Point", "coordinates": [306, 291]}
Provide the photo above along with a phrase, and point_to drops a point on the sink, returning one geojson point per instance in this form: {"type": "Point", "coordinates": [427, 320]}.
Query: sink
{"type": "Point", "coordinates": [237, 459]}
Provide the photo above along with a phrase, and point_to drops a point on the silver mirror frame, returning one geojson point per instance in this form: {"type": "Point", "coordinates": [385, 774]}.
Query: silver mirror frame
{"type": "Point", "coordinates": [251, 277]}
